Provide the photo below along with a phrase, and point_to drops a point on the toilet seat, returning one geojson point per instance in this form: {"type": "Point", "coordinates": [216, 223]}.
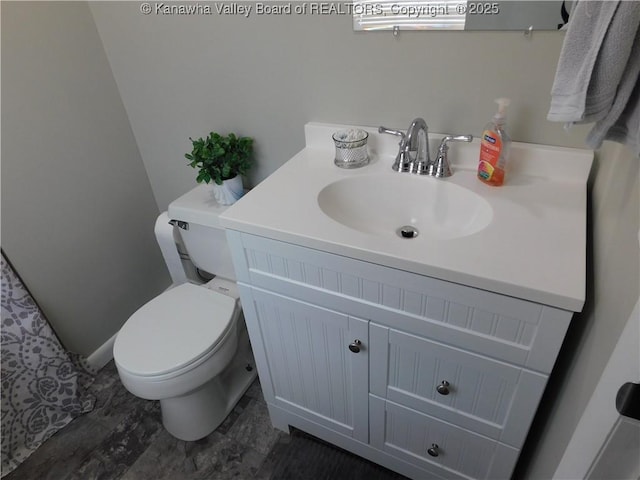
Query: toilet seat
{"type": "Point", "coordinates": [188, 324]}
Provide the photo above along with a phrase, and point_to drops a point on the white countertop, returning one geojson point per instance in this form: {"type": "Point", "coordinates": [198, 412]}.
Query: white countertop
{"type": "Point", "coordinates": [534, 248]}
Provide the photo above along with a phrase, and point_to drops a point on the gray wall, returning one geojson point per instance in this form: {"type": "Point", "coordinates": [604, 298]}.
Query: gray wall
{"type": "Point", "coordinates": [266, 76]}
{"type": "Point", "coordinates": [77, 207]}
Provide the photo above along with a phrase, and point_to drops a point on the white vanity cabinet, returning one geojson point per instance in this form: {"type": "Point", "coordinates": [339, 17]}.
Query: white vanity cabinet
{"type": "Point", "coordinates": [429, 378]}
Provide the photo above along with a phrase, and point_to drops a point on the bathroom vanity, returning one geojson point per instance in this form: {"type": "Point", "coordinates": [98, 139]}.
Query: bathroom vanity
{"type": "Point", "coordinates": [427, 355]}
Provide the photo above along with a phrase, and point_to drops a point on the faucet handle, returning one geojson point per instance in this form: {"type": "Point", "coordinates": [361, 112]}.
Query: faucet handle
{"type": "Point", "coordinates": [440, 168]}
{"type": "Point", "coordinates": [401, 163]}
{"type": "Point", "coordinates": [390, 131]}
{"type": "Point", "coordinates": [454, 138]}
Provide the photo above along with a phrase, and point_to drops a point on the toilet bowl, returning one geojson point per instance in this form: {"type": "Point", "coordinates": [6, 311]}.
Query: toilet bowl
{"type": "Point", "coordinates": [189, 347]}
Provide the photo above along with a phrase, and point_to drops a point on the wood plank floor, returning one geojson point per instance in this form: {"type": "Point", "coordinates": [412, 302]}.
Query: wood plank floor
{"type": "Point", "coordinates": [123, 438]}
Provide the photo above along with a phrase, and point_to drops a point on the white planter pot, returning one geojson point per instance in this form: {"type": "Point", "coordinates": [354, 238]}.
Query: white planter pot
{"type": "Point", "coordinates": [229, 192]}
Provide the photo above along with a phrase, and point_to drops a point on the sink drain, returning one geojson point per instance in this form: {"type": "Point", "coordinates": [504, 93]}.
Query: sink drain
{"type": "Point", "coordinates": [408, 231]}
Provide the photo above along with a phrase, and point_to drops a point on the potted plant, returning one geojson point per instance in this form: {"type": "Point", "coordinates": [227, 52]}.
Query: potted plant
{"type": "Point", "coordinates": [222, 160]}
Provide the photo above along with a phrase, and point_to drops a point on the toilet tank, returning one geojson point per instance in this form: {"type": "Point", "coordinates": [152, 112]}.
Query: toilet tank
{"type": "Point", "coordinates": [204, 239]}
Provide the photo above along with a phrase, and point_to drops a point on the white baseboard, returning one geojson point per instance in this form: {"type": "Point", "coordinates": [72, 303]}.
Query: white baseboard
{"type": "Point", "coordinates": [102, 355]}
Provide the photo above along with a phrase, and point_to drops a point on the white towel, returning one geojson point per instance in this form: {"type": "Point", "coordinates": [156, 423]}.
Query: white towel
{"type": "Point", "coordinates": [598, 69]}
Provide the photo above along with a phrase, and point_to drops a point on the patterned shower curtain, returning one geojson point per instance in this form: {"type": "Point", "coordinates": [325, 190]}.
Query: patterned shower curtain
{"type": "Point", "coordinates": [43, 386]}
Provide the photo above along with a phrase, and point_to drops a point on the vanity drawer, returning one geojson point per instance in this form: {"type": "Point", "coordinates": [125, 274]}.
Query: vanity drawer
{"type": "Point", "coordinates": [517, 331]}
{"type": "Point", "coordinates": [429, 442]}
{"type": "Point", "coordinates": [487, 396]}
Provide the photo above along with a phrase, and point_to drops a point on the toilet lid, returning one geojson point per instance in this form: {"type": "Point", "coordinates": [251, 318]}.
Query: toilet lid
{"type": "Point", "coordinates": [173, 330]}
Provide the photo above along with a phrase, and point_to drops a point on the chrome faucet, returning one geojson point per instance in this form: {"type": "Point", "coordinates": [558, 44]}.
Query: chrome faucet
{"type": "Point", "coordinates": [414, 146]}
{"type": "Point", "coordinates": [413, 155]}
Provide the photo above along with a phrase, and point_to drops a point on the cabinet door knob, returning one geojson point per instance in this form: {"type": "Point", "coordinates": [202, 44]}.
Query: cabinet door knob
{"type": "Point", "coordinates": [443, 388]}
{"type": "Point", "coordinates": [355, 346]}
{"type": "Point", "coordinates": [433, 451]}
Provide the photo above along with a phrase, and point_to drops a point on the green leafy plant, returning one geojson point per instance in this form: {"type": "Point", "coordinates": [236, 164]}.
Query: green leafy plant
{"type": "Point", "coordinates": [220, 158]}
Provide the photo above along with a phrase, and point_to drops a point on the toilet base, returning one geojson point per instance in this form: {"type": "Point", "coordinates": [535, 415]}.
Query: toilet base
{"type": "Point", "coordinates": [197, 414]}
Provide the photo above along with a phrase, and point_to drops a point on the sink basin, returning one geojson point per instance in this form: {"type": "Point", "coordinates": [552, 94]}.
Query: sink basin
{"type": "Point", "coordinates": [406, 206]}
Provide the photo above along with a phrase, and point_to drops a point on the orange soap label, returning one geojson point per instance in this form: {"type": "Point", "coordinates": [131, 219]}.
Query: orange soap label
{"type": "Point", "coordinates": [490, 148]}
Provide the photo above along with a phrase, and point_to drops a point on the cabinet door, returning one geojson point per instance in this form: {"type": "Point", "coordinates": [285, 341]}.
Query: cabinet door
{"type": "Point", "coordinates": [317, 360]}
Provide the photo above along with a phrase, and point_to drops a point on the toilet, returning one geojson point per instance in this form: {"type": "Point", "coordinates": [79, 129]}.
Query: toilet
{"type": "Point", "coordinates": [189, 347]}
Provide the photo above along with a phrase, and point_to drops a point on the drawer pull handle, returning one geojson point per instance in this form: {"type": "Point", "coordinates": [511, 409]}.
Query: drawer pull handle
{"type": "Point", "coordinates": [433, 451]}
{"type": "Point", "coordinates": [443, 388]}
{"type": "Point", "coordinates": [355, 346]}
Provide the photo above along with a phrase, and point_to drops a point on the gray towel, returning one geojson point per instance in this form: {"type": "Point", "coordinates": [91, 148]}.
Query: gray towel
{"type": "Point", "coordinates": [598, 69]}
{"type": "Point", "coordinates": [622, 122]}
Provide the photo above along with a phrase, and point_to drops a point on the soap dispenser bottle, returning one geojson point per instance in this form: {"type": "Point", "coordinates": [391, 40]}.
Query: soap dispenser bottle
{"type": "Point", "coordinates": [494, 147]}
